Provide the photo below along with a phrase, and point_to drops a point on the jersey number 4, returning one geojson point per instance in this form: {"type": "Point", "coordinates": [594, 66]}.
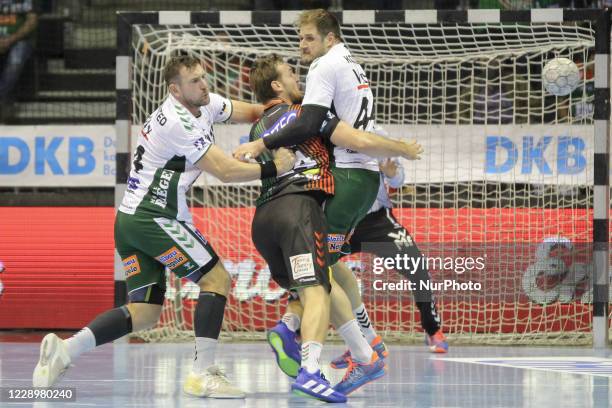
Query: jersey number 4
{"type": "Point", "coordinates": [363, 118]}
{"type": "Point", "coordinates": [138, 158]}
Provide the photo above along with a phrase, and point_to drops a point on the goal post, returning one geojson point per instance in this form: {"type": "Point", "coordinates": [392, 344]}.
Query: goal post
{"type": "Point", "coordinates": [504, 161]}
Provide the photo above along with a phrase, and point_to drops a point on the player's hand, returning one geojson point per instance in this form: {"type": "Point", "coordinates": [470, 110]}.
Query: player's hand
{"type": "Point", "coordinates": [284, 159]}
{"type": "Point", "coordinates": [412, 150]}
{"type": "Point", "coordinates": [250, 150]}
{"type": "Point", "coordinates": [388, 167]}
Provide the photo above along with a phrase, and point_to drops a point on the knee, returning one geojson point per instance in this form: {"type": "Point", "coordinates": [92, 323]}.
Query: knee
{"type": "Point", "coordinates": [144, 315]}
{"type": "Point", "coordinates": [217, 280]}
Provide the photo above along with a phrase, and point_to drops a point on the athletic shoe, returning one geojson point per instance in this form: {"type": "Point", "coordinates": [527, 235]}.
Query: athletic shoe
{"type": "Point", "coordinates": [286, 349]}
{"type": "Point", "coordinates": [377, 345]}
{"type": "Point", "coordinates": [358, 374]}
{"type": "Point", "coordinates": [212, 383]}
{"type": "Point", "coordinates": [437, 343]}
{"type": "Point", "coordinates": [315, 386]}
{"type": "Point", "coordinates": [53, 362]}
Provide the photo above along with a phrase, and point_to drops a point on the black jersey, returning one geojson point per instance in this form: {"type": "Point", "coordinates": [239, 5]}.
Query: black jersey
{"type": "Point", "coordinates": [311, 171]}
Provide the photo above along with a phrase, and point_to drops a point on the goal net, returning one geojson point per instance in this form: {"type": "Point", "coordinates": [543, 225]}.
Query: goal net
{"type": "Point", "coordinates": [507, 173]}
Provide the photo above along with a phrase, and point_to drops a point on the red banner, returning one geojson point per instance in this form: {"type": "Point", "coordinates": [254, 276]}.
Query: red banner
{"type": "Point", "coordinates": [59, 266]}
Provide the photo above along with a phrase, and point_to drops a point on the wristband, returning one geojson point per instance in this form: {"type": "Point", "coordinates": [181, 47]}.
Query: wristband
{"type": "Point", "coordinates": [268, 169]}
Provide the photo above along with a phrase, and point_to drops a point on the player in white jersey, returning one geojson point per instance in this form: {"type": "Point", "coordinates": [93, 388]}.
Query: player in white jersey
{"type": "Point", "coordinates": [336, 83]}
{"type": "Point", "coordinates": [154, 229]}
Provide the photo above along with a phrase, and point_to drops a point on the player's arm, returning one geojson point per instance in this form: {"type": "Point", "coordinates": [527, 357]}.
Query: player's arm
{"type": "Point", "coordinates": [243, 112]}
{"type": "Point", "coordinates": [344, 135]}
{"type": "Point", "coordinates": [304, 127]}
{"type": "Point", "coordinates": [227, 169]}
{"type": "Point", "coordinates": [318, 98]}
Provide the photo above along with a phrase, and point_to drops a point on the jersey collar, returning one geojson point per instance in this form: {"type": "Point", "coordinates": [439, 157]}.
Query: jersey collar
{"type": "Point", "coordinates": [275, 101]}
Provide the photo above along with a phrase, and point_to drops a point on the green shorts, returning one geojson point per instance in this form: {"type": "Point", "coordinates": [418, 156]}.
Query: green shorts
{"type": "Point", "coordinates": [355, 193]}
{"type": "Point", "coordinates": [148, 245]}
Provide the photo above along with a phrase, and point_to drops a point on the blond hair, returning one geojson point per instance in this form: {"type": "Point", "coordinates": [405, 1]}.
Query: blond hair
{"type": "Point", "coordinates": [323, 20]}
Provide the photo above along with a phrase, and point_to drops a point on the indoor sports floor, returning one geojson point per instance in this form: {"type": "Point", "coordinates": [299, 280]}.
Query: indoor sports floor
{"type": "Point", "coordinates": [150, 375]}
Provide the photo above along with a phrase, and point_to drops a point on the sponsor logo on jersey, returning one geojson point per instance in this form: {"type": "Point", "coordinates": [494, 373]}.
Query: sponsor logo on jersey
{"type": "Point", "coordinates": [302, 267]}
{"type": "Point", "coordinates": [200, 143]}
{"type": "Point", "coordinates": [132, 183]}
{"type": "Point", "coordinates": [172, 258]}
{"type": "Point", "coordinates": [281, 122]}
{"type": "Point", "coordinates": [131, 266]}
{"type": "Point", "coordinates": [159, 194]}
{"type": "Point", "coordinates": [335, 242]}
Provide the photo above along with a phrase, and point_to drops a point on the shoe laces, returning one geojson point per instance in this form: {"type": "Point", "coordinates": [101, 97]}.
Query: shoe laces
{"type": "Point", "coordinates": [346, 355]}
{"type": "Point", "coordinates": [217, 376]}
{"type": "Point", "coordinates": [352, 370]}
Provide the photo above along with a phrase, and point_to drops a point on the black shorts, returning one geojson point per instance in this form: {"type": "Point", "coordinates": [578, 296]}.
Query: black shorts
{"type": "Point", "coordinates": [379, 227]}
{"type": "Point", "coordinates": [290, 233]}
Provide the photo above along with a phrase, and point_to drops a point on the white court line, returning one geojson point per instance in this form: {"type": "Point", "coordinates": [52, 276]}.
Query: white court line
{"type": "Point", "coordinates": [539, 364]}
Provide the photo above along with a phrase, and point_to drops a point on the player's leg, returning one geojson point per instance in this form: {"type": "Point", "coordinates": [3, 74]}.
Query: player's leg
{"type": "Point", "coordinates": [146, 285]}
{"type": "Point", "coordinates": [206, 378]}
{"type": "Point", "coordinates": [390, 239]}
{"type": "Point", "coordinates": [355, 192]}
{"type": "Point", "coordinates": [353, 186]}
{"type": "Point", "coordinates": [346, 279]}
{"type": "Point", "coordinates": [290, 233]}
{"type": "Point", "coordinates": [193, 258]}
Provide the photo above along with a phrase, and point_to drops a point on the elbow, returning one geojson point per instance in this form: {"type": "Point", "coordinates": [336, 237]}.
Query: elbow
{"type": "Point", "coordinates": [225, 177]}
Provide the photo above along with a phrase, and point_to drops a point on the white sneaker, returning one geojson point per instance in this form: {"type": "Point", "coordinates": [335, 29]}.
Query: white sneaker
{"type": "Point", "coordinates": [213, 383]}
{"type": "Point", "coordinates": [53, 362]}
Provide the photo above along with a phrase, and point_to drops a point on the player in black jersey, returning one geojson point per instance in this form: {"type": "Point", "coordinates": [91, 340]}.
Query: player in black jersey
{"type": "Point", "coordinates": [289, 228]}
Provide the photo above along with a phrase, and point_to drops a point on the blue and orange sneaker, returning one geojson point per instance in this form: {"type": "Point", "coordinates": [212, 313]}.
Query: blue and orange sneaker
{"type": "Point", "coordinates": [285, 347]}
{"type": "Point", "coordinates": [358, 375]}
{"type": "Point", "coordinates": [315, 386]}
{"type": "Point", "coordinates": [377, 345]}
{"type": "Point", "coordinates": [437, 343]}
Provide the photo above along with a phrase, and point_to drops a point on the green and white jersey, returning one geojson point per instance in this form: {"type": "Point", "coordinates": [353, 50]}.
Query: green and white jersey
{"type": "Point", "coordinates": [337, 82]}
{"type": "Point", "coordinates": [170, 143]}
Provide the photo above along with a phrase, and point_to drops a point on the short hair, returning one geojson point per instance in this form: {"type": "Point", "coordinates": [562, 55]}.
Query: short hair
{"type": "Point", "coordinates": [325, 22]}
{"type": "Point", "coordinates": [174, 64]}
{"type": "Point", "coordinates": [263, 71]}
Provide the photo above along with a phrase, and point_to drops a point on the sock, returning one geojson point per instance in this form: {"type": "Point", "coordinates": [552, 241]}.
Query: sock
{"type": "Point", "coordinates": [205, 350]}
{"type": "Point", "coordinates": [311, 354]}
{"type": "Point", "coordinates": [111, 325]}
{"type": "Point", "coordinates": [364, 323]}
{"type": "Point", "coordinates": [80, 343]}
{"type": "Point", "coordinates": [292, 321]}
{"type": "Point", "coordinates": [207, 322]}
{"type": "Point", "coordinates": [357, 344]}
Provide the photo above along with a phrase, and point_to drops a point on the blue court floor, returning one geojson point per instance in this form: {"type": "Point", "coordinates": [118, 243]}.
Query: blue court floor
{"type": "Point", "coordinates": [150, 375]}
